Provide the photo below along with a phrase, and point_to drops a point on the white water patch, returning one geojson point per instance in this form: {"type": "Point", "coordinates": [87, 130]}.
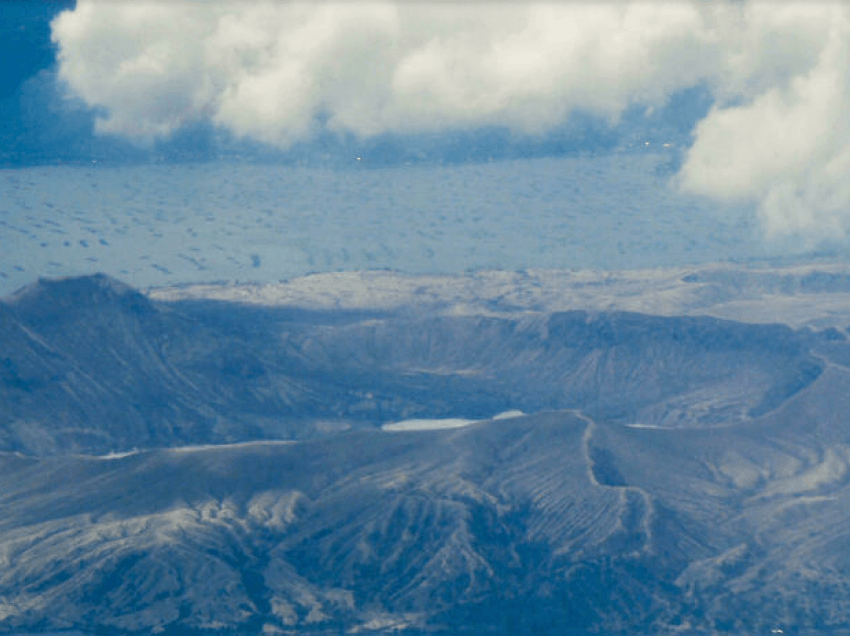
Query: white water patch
{"type": "Point", "coordinates": [508, 415]}
{"type": "Point", "coordinates": [446, 423]}
{"type": "Point", "coordinates": [206, 447]}
{"type": "Point", "coordinates": [114, 455]}
{"type": "Point", "coordinates": [185, 449]}
{"type": "Point", "coordinates": [428, 425]}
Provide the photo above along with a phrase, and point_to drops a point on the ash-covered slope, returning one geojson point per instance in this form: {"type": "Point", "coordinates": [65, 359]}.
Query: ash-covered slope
{"type": "Point", "coordinates": [547, 524]}
{"type": "Point", "coordinates": [649, 370]}
{"type": "Point", "coordinates": [87, 366]}
{"type": "Point", "coordinates": [678, 474]}
{"type": "Point", "coordinates": [90, 365]}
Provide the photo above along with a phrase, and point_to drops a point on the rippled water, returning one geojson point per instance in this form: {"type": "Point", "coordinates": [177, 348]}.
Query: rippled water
{"type": "Point", "coordinates": [164, 224]}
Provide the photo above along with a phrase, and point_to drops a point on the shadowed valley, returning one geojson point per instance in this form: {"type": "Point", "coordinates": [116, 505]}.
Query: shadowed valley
{"type": "Point", "coordinates": [212, 467]}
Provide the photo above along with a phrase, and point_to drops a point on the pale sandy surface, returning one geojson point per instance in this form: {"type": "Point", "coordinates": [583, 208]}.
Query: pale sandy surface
{"type": "Point", "coordinates": [816, 295]}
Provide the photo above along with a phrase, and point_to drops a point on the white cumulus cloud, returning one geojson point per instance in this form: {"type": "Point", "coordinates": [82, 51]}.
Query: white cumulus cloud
{"type": "Point", "coordinates": [780, 134]}
{"type": "Point", "coordinates": [278, 71]}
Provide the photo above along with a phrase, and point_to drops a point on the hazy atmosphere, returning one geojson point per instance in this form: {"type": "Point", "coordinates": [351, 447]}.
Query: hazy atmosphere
{"type": "Point", "coordinates": [424, 318]}
{"type": "Point", "coordinates": [717, 128]}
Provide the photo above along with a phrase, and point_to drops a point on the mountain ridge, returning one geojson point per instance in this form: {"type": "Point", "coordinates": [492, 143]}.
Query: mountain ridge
{"type": "Point", "coordinates": [97, 367]}
{"type": "Point", "coordinates": [527, 525]}
{"type": "Point", "coordinates": [211, 468]}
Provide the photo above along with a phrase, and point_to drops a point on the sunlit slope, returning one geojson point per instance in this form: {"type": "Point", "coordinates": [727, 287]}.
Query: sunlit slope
{"type": "Point", "coordinates": [202, 465]}
{"type": "Point", "coordinates": [549, 522]}
{"type": "Point", "coordinates": [90, 365]}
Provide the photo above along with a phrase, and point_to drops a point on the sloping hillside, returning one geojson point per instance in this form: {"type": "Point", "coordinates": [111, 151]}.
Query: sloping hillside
{"type": "Point", "coordinates": [213, 467]}
{"type": "Point", "coordinates": [90, 365]}
{"type": "Point", "coordinates": [543, 524]}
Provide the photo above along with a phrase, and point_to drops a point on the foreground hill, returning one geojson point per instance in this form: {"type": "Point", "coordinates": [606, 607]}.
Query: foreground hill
{"type": "Point", "coordinates": [550, 523]}
{"type": "Point", "coordinates": [89, 365]}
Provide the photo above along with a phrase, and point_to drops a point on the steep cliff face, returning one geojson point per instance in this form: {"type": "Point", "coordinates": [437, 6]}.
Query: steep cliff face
{"type": "Point", "coordinates": [90, 365]}
{"type": "Point", "coordinates": [200, 467]}
{"type": "Point", "coordinates": [94, 373]}
{"type": "Point", "coordinates": [660, 371]}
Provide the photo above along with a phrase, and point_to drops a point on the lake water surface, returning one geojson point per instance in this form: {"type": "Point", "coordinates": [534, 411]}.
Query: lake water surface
{"type": "Point", "coordinates": [155, 225]}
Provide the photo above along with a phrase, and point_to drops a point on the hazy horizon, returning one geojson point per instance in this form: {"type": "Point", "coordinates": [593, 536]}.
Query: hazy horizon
{"type": "Point", "coordinates": [730, 112]}
{"type": "Point", "coordinates": [521, 446]}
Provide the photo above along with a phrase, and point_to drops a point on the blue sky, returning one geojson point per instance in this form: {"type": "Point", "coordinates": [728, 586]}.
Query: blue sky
{"type": "Point", "coordinates": [752, 96]}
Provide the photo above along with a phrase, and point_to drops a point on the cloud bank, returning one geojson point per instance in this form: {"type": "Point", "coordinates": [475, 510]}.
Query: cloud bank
{"type": "Point", "coordinates": [280, 73]}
